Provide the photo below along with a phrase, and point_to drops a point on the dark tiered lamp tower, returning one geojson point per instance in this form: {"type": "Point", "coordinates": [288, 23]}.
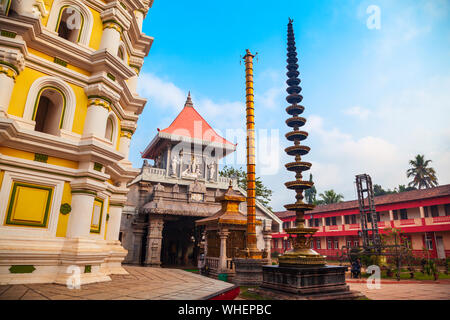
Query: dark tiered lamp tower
{"type": "Point", "coordinates": [300, 236]}
{"type": "Point", "coordinates": [302, 273]}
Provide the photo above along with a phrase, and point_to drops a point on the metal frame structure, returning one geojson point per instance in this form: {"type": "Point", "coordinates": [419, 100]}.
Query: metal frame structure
{"type": "Point", "coordinates": [368, 214]}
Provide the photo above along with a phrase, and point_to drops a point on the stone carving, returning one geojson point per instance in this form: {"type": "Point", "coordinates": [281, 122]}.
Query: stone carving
{"type": "Point", "coordinates": [174, 165]}
{"type": "Point", "coordinates": [159, 187]}
{"type": "Point", "coordinates": [193, 170]}
{"type": "Point", "coordinates": [212, 171]}
{"type": "Point", "coordinates": [158, 162]}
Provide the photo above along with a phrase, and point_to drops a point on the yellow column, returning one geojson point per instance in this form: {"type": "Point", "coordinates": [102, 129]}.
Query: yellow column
{"type": "Point", "coordinates": [254, 253]}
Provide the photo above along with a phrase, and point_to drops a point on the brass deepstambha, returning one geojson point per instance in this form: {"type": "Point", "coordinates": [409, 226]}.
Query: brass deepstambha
{"type": "Point", "coordinates": [300, 236]}
{"type": "Point", "coordinates": [252, 249]}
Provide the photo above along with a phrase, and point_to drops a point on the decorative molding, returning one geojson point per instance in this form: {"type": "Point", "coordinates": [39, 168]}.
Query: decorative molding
{"type": "Point", "coordinates": [21, 269]}
{"type": "Point", "coordinates": [12, 206]}
{"type": "Point", "coordinates": [8, 34]}
{"type": "Point", "coordinates": [40, 157]}
{"type": "Point", "coordinates": [98, 166]}
{"type": "Point", "coordinates": [65, 208]}
{"type": "Point", "coordinates": [12, 58]}
{"type": "Point", "coordinates": [84, 191]}
{"type": "Point", "coordinates": [60, 62]}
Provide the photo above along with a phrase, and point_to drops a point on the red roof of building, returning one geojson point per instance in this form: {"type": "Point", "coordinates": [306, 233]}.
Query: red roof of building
{"type": "Point", "coordinates": [406, 196]}
{"type": "Point", "coordinates": [190, 123]}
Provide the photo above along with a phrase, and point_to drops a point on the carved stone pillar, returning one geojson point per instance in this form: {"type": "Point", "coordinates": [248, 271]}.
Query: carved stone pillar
{"type": "Point", "coordinates": [268, 244]}
{"type": "Point", "coordinates": [154, 241]}
{"type": "Point", "coordinates": [223, 250]}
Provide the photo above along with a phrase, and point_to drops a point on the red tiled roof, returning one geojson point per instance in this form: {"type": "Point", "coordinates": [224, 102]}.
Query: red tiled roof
{"type": "Point", "coordinates": [190, 123]}
{"type": "Point", "coordinates": [439, 191]}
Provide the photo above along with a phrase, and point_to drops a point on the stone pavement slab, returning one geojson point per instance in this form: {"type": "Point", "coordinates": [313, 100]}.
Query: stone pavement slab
{"type": "Point", "coordinates": [405, 291]}
{"type": "Point", "coordinates": [141, 283]}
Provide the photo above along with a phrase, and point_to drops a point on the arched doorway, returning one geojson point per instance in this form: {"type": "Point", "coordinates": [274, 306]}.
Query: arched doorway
{"type": "Point", "coordinates": [49, 111]}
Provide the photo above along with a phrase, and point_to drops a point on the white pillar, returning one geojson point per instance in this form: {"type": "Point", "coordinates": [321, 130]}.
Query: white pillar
{"type": "Point", "coordinates": [422, 212]}
{"type": "Point", "coordinates": [343, 220]}
{"type": "Point", "coordinates": [205, 235]}
{"type": "Point", "coordinates": [124, 143]}
{"type": "Point", "coordinates": [96, 118]}
{"type": "Point", "coordinates": [391, 215]}
{"type": "Point", "coordinates": [12, 63]}
{"type": "Point", "coordinates": [111, 37]}
{"type": "Point", "coordinates": [115, 215]}
{"type": "Point", "coordinates": [7, 85]}
{"type": "Point", "coordinates": [223, 250]}
{"type": "Point", "coordinates": [79, 224]}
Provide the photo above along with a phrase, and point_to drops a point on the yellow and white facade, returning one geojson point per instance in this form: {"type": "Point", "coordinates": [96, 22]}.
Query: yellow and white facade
{"type": "Point", "coordinates": [68, 110]}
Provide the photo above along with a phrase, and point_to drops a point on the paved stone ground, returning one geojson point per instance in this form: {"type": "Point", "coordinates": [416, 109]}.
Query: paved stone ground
{"type": "Point", "coordinates": [141, 284]}
{"type": "Point", "coordinates": [392, 290]}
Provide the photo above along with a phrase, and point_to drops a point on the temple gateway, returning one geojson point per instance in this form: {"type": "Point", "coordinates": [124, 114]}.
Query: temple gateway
{"type": "Point", "coordinates": [166, 198]}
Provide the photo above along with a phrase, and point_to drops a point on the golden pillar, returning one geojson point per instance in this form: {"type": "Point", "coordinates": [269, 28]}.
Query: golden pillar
{"type": "Point", "coordinates": [252, 250]}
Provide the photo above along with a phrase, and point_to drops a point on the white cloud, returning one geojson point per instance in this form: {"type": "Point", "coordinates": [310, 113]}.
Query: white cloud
{"type": "Point", "coordinates": [161, 93]}
{"type": "Point", "coordinates": [358, 112]}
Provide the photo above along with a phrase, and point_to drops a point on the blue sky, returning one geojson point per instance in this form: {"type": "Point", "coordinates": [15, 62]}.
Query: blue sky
{"type": "Point", "coordinates": [374, 98]}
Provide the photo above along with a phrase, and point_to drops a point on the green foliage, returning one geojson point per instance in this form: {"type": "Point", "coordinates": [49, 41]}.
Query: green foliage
{"type": "Point", "coordinates": [329, 196]}
{"type": "Point", "coordinates": [369, 260]}
{"type": "Point", "coordinates": [423, 176]}
{"type": "Point", "coordinates": [379, 191]}
{"type": "Point", "coordinates": [263, 194]}
{"type": "Point", "coordinates": [275, 254]}
{"type": "Point", "coordinates": [310, 194]}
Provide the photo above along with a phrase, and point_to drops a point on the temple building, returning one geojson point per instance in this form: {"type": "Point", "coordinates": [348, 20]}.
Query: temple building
{"type": "Point", "coordinates": [68, 109]}
{"type": "Point", "coordinates": [179, 188]}
{"type": "Point", "coordinates": [422, 215]}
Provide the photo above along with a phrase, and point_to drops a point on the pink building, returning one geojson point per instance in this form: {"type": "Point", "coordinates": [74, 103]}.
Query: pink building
{"type": "Point", "coordinates": [423, 215]}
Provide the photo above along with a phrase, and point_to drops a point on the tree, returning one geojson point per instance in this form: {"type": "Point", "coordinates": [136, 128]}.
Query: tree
{"type": "Point", "coordinates": [263, 194]}
{"type": "Point", "coordinates": [379, 191]}
{"type": "Point", "coordinates": [423, 176]}
{"type": "Point", "coordinates": [310, 194]}
{"type": "Point", "coordinates": [403, 188]}
{"type": "Point", "coordinates": [329, 196]}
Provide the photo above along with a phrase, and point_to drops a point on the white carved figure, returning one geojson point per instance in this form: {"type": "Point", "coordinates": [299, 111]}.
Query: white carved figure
{"type": "Point", "coordinates": [174, 165]}
{"type": "Point", "coordinates": [158, 162]}
{"type": "Point", "coordinates": [197, 167]}
{"type": "Point", "coordinates": [212, 170]}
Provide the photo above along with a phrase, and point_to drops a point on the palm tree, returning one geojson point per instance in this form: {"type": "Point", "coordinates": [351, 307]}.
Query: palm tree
{"type": "Point", "coordinates": [329, 196]}
{"type": "Point", "coordinates": [423, 176]}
